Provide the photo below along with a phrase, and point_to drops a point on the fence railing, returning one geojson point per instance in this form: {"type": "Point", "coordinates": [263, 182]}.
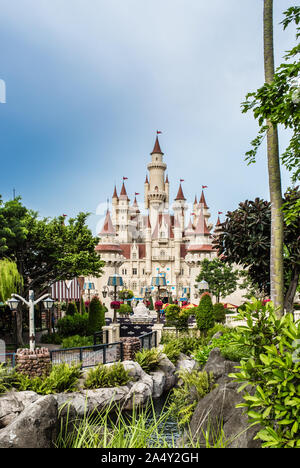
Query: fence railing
{"type": "Point", "coordinates": [89, 356]}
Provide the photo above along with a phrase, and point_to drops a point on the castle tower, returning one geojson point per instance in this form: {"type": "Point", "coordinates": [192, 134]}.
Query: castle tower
{"type": "Point", "coordinates": [180, 207]}
{"type": "Point", "coordinates": [115, 201]}
{"type": "Point", "coordinates": [156, 190]}
{"type": "Point", "coordinates": [123, 215]}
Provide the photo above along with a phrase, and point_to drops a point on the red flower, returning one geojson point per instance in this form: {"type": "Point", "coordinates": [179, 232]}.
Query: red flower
{"type": "Point", "coordinates": [115, 304]}
{"type": "Point", "coordinates": [158, 305]}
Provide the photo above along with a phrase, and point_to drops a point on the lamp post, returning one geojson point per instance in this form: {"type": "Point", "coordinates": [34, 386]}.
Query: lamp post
{"type": "Point", "coordinates": [13, 304]}
{"type": "Point", "coordinates": [115, 281]}
{"type": "Point", "coordinates": [158, 281]}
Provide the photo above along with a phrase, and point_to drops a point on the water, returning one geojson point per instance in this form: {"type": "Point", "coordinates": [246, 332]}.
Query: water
{"type": "Point", "coordinates": [169, 427]}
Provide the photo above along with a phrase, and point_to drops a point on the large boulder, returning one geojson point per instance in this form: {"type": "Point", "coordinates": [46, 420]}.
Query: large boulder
{"type": "Point", "coordinates": [12, 404]}
{"type": "Point", "coordinates": [159, 383]}
{"type": "Point", "coordinates": [168, 368]}
{"type": "Point", "coordinates": [217, 411]}
{"type": "Point", "coordinates": [35, 427]}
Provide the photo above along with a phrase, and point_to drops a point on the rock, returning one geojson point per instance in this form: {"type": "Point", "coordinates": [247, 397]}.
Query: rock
{"type": "Point", "coordinates": [186, 363]}
{"type": "Point", "coordinates": [35, 427]}
{"type": "Point", "coordinates": [168, 368]}
{"type": "Point", "coordinates": [12, 404]}
{"type": "Point", "coordinates": [216, 336]}
{"type": "Point", "coordinates": [217, 411]}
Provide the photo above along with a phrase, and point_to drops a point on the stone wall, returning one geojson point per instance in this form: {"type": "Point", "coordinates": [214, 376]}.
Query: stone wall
{"type": "Point", "coordinates": [131, 346]}
{"type": "Point", "coordinates": [33, 363]}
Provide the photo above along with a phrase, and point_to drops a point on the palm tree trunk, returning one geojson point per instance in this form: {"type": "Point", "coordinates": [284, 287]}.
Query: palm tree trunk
{"type": "Point", "coordinates": [276, 270]}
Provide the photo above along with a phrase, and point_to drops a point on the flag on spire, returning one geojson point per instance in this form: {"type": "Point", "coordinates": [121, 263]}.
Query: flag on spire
{"type": "Point", "coordinates": [204, 186]}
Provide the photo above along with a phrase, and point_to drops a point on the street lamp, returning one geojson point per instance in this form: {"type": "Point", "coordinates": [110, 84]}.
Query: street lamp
{"type": "Point", "coordinates": [116, 281]}
{"type": "Point", "coordinates": [158, 282]}
{"type": "Point", "coordinates": [202, 286]}
{"type": "Point", "coordinates": [13, 304]}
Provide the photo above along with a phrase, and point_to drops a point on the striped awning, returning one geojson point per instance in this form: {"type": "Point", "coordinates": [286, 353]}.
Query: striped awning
{"type": "Point", "coordinates": [115, 280]}
{"type": "Point", "coordinates": [69, 290]}
{"type": "Point", "coordinates": [159, 281]}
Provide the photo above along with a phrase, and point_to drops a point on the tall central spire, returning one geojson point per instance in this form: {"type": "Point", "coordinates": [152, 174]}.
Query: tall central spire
{"type": "Point", "coordinates": [156, 149]}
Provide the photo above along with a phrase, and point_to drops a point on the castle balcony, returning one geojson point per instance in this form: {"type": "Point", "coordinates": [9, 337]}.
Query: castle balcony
{"type": "Point", "coordinates": [166, 258]}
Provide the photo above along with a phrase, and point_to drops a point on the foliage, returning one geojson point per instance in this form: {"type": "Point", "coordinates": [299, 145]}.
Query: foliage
{"type": "Point", "coordinates": [205, 314]}
{"type": "Point", "coordinates": [62, 379]}
{"type": "Point", "coordinates": [7, 378]}
{"type": "Point", "coordinates": [278, 102]}
{"type": "Point", "coordinates": [186, 344]}
{"type": "Point", "coordinates": [222, 279]}
{"type": "Point", "coordinates": [107, 376]}
{"type": "Point", "coordinates": [51, 338]}
{"type": "Point", "coordinates": [177, 317]}
{"type": "Point", "coordinates": [71, 308]}
{"type": "Point", "coordinates": [172, 350]}
{"type": "Point", "coordinates": [73, 325]}
{"type": "Point", "coordinates": [219, 312]}
{"type": "Point", "coordinates": [10, 279]}
{"type": "Point", "coordinates": [246, 240]}
{"type": "Point", "coordinates": [194, 386]}
{"type": "Point", "coordinates": [125, 309]}
{"type": "Point", "coordinates": [44, 250]}
{"type": "Point", "coordinates": [96, 316]}
{"type": "Point", "coordinates": [148, 359]}
{"type": "Point", "coordinates": [126, 294]}
{"type": "Point", "coordinates": [274, 373]}
{"type": "Point", "coordinates": [77, 341]}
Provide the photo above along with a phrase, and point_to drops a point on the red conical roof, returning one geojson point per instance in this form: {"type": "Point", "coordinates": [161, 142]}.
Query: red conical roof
{"type": "Point", "coordinates": [146, 181]}
{"type": "Point", "coordinates": [180, 195]}
{"type": "Point", "coordinates": [115, 195]}
{"type": "Point", "coordinates": [201, 227]}
{"type": "Point", "coordinates": [123, 192]}
{"type": "Point", "coordinates": [156, 149]}
{"type": "Point", "coordinates": [108, 228]}
{"type": "Point", "coordinates": [195, 202]}
{"type": "Point", "coordinates": [203, 201]}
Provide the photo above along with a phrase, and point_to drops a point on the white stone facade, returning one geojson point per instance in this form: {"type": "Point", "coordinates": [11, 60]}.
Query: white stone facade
{"type": "Point", "coordinates": [158, 241]}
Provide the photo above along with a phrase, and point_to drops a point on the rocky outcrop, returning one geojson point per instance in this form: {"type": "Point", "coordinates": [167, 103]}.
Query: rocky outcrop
{"type": "Point", "coordinates": [35, 427]}
{"type": "Point", "coordinates": [217, 410]}
{"type": "Point", "coordinates": [28, 420]}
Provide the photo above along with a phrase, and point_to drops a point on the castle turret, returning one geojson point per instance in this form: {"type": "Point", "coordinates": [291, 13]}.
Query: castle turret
{"type": "Point", "coordinates": [156, 191]}
{"type": "Point", "coordinates": [123, 212]}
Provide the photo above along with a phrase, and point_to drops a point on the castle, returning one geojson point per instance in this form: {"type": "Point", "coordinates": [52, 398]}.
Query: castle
{"type": "Point", "coordinates": [156, 242]}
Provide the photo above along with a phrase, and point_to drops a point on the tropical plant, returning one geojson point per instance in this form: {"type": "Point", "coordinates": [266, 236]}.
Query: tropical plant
{"type": "Point", "coordinates": [273, 372]}
{"type": "Point", "coordinates": [194, 386]}
{"type": "Point", "coordinates": [172, 350]}
{"type": "Point", "coordinates": [148, 359]}
{"type": "Point", "coordinates": [103, 376]}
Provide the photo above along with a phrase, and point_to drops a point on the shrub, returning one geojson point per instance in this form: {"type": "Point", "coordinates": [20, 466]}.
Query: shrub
{"type": "Point", "coordinates": [125, 309]}
{"type": "Point", "coordinates": [195, 385]}
{"type": "Point", "coordinates": [62, 379]}
{"type": "Point", "coordinates": [72, 309]}
{"type": "Point", "coordinates": [51, 338]}
{"type": "Point", "coordinates": [172, 351]}
{"type": "Point", "coordinates": [77, 341]}
{"type": "Point", "coordinates": [177, 317]}
{"type": "Point", "coordinates": [148, 359]}
{"type": "Point", "coordinates": [73, 325]}
{"type": "Point", "coordinates": [107, 376]}
{"type": "Point", "coordinates": [7, 378]}
{"type": "Point", "coordinates": [219, 313]}
{"type": "Point", "coordinates": [96, 316]}
{"type": "Point", "coordinates": [205, 314]}
{"type": "Point", "coordinates": [274, 373]}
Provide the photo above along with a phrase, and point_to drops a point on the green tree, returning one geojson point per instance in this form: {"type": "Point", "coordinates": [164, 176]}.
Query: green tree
{"type": "Point", "coordinates": [10, 279]}
{"type": "Point", "coordinates": [72, 309]}
{"type": "Point", "coordinates": [205, 314]}
{"type": "Point", "coordinates": [245, 240]}
{"type": "Point", "coordinates": [219, 313]}
{"type": "Point", "coordinates": [275, 104]}
{"type": "Point", "coordinates": [44, 250]}
{"type": "Point", "coordinates": [96, 316]}
{"type": "Point", "coordinates": [221, 277]}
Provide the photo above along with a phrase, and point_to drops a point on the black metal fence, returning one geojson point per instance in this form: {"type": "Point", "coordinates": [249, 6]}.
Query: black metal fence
{"type": "Point", "coordinates": [8, 359]}
{"type": "Point", "coordinates": [149, 340]}
{"type": "Point", "coordinates": [89, 356]}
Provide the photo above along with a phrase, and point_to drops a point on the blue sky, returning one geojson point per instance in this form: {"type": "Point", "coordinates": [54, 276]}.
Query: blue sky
{"type": "Point", "coordinates": [90, 81]}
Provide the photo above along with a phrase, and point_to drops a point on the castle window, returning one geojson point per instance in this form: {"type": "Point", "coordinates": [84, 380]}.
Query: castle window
{"type": "Point", "coordinates": [134, 256]}
{"type": "Point", "coordinates": [134, 271]}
